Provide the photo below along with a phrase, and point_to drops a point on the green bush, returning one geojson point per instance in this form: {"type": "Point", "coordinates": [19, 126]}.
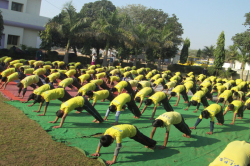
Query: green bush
{"type": "Point", "coordinates": [185, 69]}
{"type": "Point", "coordinates": [151, 66]}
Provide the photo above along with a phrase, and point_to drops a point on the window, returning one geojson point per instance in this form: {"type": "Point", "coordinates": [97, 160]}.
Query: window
{"type": "Point", "coordinates": [12, 40]}
{"type": "Point", "coordinates": [17, 7]}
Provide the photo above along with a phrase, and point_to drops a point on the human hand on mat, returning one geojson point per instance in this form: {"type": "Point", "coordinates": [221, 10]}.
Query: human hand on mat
{"type": "Point", "coordinates": [52, 122]}
{"type": "Point", "coordinates": [151, 118]}
{"type": "Point", "coordinates": [231, 123]}
{"type": "Point", "coordinates": [24, 102]}
{"type": "Point", "coordinates": [192, 128]}
{"type": "Point", "coordinates": [195, 111]}
{"type": "Point", "coordinates": [162, 147]}
{"type": "Point", "coordinates": [55, 127]}
{"type": "Point", "coordinates": [176, 105]}
{"type": "Point", "coordinates": [116, 123]}
{"type": "Point", "coordinates": [186, 109]}
{"type": "Point", "coordinates": [40, 115]}
{"type": "Point", "coordinates": [209, 133]}
{"type": "Point", "coordinates": [36, 111]}
{"type": "Point", "coordinates": [110, 162]}
{"type": "Point", "coordinates": [30, 105]}
{"type": "Point", "coordinates": [96, 154]}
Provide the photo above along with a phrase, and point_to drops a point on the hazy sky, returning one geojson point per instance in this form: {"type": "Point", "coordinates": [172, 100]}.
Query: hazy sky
{"type": "Point", "coordinates": [202, 20]}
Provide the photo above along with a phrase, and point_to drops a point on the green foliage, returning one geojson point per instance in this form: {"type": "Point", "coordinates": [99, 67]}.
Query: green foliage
{"type": "Point", "coordinates": [86, 49]}
{"type": "Point", "coordinates": [247, 22]}
{"type": "Point", "coordinates": [221, 72]}
{"type": "Point", "coordinates": [184, 51]}
{"type": "Point", "coordinates": [220, 51]}
{"type": "Point", "coordinates": [242, 39]}
{"type": "Point", "coordinates": [1, 25]}
{"type": "Point", "coordinates": [185, 69]}
{"type": "Point", "coordinates": [192, 52]}
{"type": "Point", "coordinates": [208, 51]}
{"type": "Point", "coordinates": [199, 53]}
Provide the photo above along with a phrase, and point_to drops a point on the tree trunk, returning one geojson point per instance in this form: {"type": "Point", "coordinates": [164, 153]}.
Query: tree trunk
{"type": "Point", "coordinates": [104, 63]}
{"type": "Point", "coordinates": [242, 70]}
{"type": "Point", "coordinates": [75, 51]}
{"type": "Point", "coordinates": [135, 57]}
{"type": "Point", "coordinates": [66, 56]}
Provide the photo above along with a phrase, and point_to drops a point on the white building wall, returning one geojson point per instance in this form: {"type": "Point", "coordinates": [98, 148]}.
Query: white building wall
{"type": "Point", "coordinates": [10, 30]}
{"type": "Point", "coordinates": [33, 7]}
{"type": "Point", "coordinates": [24, 2]}
{"type": "Point", "coordinates": [30, 37]}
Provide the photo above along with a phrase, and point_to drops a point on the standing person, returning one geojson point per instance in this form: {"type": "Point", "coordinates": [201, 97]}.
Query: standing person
{"type": "Point", "coordinates": [93, 61]}
{"type": "Point", "coordinates": [166, 120]}
{"type": "Point", "coordinates": [204, 71]}
{"type": "Point", "coordinates": [236, 153]}
{"type": "Point", "coordinates": [120, 132]}
{"type": "Point", "coordinates": [120, 60]}
{"type": "Point", "coordinates": [39, 54]}
{"type": "Point", "coordinates": [212, 111]}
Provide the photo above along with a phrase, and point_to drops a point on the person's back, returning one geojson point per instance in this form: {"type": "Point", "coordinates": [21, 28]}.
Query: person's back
{"type": "Point", "coordinates": [236, 153]}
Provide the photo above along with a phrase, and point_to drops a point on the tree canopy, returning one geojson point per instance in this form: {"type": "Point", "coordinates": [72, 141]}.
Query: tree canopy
{"type": "Point", "coordinates": [220, 51]}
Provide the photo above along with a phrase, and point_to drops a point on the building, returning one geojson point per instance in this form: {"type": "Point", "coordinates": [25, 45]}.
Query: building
{"type": "Point", "coordinates": [22, 22]}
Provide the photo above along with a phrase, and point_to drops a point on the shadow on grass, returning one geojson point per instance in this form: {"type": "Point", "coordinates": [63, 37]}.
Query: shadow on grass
{"type": "Point", "coordinates": [200, 141]}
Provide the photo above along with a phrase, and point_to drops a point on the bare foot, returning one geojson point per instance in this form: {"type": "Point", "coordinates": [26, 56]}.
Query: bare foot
{"type": "Point", "coordinates": [239, 117]}
{"type": "Point", "coordinates": [194, 111]}
{"type": "Point", "coordinates": [187, 136]}
{"type": "Point", "coordinates": [136, 117]}
{"type": "Point", "coordinates": [150, 118]}
{"type": "Point", "coordinates": [78, 112]}
{"type": "Point", "coordinates": [162, 147]}
{"type": "Point", "coordinates": [192, 128]}
{"type": "Point", "coordinates": [219, 124]}
{"type": "Point", "coordinates": [186, 102]}
{"type": "Point", "coordinates": [209, 133]}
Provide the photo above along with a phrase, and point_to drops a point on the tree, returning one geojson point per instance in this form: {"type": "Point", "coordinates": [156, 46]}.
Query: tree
{"type": "Point", "coordinates": [220, 51]}
{"type": "Point", "coordinates": [242, 39]}
{"type": "Point", "coordinates": [1, 25]}
{"type": "Point", "coordinates": [199, 53]}
{"type": "Point", "coordinates": [247, 22]}
{"type": "Point", "coordinates": [184, 51]}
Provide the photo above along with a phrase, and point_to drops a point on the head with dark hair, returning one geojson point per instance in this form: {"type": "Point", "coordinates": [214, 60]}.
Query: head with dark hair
{"type": "Point", "coordinates": [19, 85]}
{"type": "Point", "coordinates": [112, 108]}
{"type": "Point", "coordinates": [152, 80]}
{"type": "Point", "coordinates": [236, 93]}
{"type": "Point", "coordinates": [138, 99]}
{"type": "Point", "coordinates": [55, 71]}
{"type": "Point", "coordinates": [113, 90]}
{"type": "Point", "coordinates": [21, 69]}
{"type": "Point", "coordinates": [80, 94]}
{"type": "Point", "coordinates": [194, 103]}
{"type": "Point", "coordinates": [47, 80]}
{"type": "Point", "coordinates": [148, 101]}
{"type": "Point", "coordinates": [4, 79]}
{"type": "Point", "coordinates": [89, 94]}
{"type": "Point", "coordinates": [139, 86]}
{"type": "Point", "coordinates": [106, 140]}
{"type": "Point", "coordinates": [248, 106]}
{"type": "Point", "coordinates": [215, 88]}
{"type": "Point", "coordinates": [154, 84]}
{"type": "Point", "coordinates": [230, 106]}
{"type": "Point", "coordinates": [232, 91]}
{"type": "Point", "coordinates": [157, 123]}
{"type": "Point", "coordinates": [205, 114]}
{"type": "Point", "coordinates": [108, 77]}
{"type": "Point", "coordinates": [173, 93]}
{"type": "Point", "coordinates": [32, 96]}
{"type": "Point", "coordinates": [39, 98]}
{"type": "Point", "coordinates": [1, 76]}
{"type": "Point", "coordinates": [83, 72]}
{"type": "Point", "coordinates": [32, 66]}
{"type": "Point", "coordinates": [221, 100]}
{"type": "Point", "coordinates": [10, 66]}
{"type": "Point", "coordinates": [165, 87]}
{"type": "Point", "coordinates": [199, 88]}
{"type": "Point", "coordinates": [59, 114]}
{"type": "Point", "coordinates": [112, 83]}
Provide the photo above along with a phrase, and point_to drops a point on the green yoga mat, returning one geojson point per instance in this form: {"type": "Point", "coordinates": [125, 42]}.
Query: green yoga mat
{"type": "Point", "coordinates": [79, 131]}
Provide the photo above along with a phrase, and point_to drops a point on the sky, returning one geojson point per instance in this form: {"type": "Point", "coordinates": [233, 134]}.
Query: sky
{"type": "Point", "coordinates": [202, 20]}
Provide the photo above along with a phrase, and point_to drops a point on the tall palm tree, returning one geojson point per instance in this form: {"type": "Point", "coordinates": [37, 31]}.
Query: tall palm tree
{"type": "Point", "coordinates": [208, 51]}
{"type": "Point", "coordinates": [231, 53]}
{"type": "Point", "coordinates": [107, 28]}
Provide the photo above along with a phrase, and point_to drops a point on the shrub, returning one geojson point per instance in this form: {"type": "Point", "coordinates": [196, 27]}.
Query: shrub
{"type": "Point", "coordinates": [185, 69]}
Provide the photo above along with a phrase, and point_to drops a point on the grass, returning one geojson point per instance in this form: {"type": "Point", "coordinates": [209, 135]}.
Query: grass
{"type": "Point", "coordinates": [24, 142]}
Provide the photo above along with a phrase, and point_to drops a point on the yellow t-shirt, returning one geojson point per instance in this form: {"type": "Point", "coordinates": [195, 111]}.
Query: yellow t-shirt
{"type": "Point", "coordinates": [248, 101]}
{"type": "Point", "coordinates": [226, 94]}
{"type": "Point", "coordinates": [158, 81]}
{"type": "Point", "coordinates": [72, 67]}
{"type": "Point", "coordinates": [114, 72]}
{"type": "Point", "coordinates": [54, 76]}
{"type": "Point", "coordinates": [197, 96]}
{"type": "Point", "coordinates": [171, 84]}
{"type": "Point", "coordinates": [157, 97]}
{"type": "Point", "coordinates": [14, 62]}
{"type": "Point", "coordinates": [31, 62]}
{"type": "Point", "coordinates": [12, 77]}
{"type": "Point", "coordinates": [237, 104]}
{"type": "Point", "coordinates": [47, 66]}
{"type": "Point", "coordinates": [119, 132]}
{"type": "Point", "coordinates": [120, 101]}
{"type": "Point", "coordinates": [126, 74]}
{"type": "Point", "coordinates": [144, 92]}
{"type": "Point", "coordinates": [175, 78]}
{"type": "Point", "coordinates": [29, 71]}
{"type": "Point", "coordinates": [41, 89]}
{"type": "Point", "coordinates": [213, 109]}
{"type": "Point", "coordinates": [189, 85]}
{"type": "Point", "coordinates": [53, 94]}
{"type": "Point", "coordinates": [7, 59]}
{"type": "Point", "coordinates": [114, 78]}
{"type": "Point", "coordinates": [33, 79]}
{"type": "Point", "coordinates": [155, 77]}
{"type": "Point", "coordinates": [66, 82]}
{"type": "Point", "coordinates": [237, 153]}
{"type": "Point", "coordinates": [87, 87]}
{"type": "Point", "coordinates": [133, 72]}
{"type": "Point", "coordinates": [91, 67]}
{"type": "Point", "coordinates": [121, 85]}
{"type": "Point", "coordinates": [40, 71]}
{"type": "Point", "coordinates": [145, 84]}
{"type": "Point", "coordinates": [238, 81]}
{"type": "Point", "coordinates": [100, 75]}
{"type": "Point", "coordinates": [72, 103]}
{"type": "Point", "coordinates": [8, 72]}
{"type": "Point", "coordinates": [236, 88]}
{"type": "Point", "coordinates": [99, 70]}
{"type": "Point", "coordinates": [17, 65]}
{"type": "Point", "coordinates": [97, 82]}
{"type": "Point", "coordinates": [139, 77]}
{"type": "Point", "coordinates": [169, 118]}
{"type": "Point", "coordinates": [84, 77]}
{"type": "Point", "coordinates": [133, 83]}
{"type": "Point", "coordinates": [38, 63]}
{"type": "Point", "coordinates": [178, 89]}
{"type": "Point", "coordinates": [100, 95]}
{"type": "Point", "coordinates": [71, 72]}
{"type": "Point", "coordinates": [221, 89]}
